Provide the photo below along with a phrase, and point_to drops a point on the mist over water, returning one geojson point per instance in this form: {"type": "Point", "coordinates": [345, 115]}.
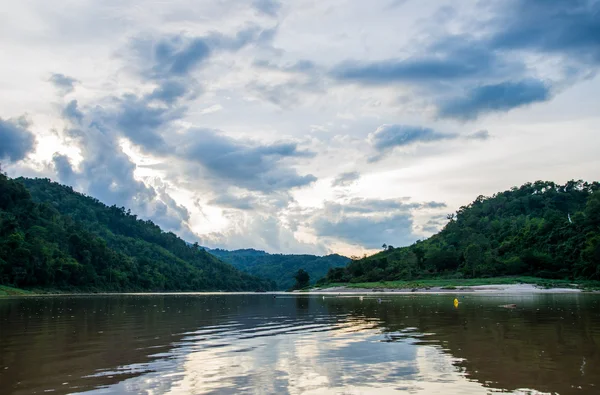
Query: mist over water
{"type": "Point", "coordinates": [299, 344]}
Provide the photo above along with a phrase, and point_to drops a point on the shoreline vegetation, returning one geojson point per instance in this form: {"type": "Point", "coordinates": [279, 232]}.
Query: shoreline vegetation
{"type": "Point", "coordinates": [505, 285]}
{"type": "Point", "coordinates": [54, 238]}
{"type": "Point", "coordinates": [542, 233]}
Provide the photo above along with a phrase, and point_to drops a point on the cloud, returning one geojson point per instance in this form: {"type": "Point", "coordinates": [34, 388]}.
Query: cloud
{"type": "Point", "coordinates": [170, 56]}
{"type": "Point", "coordinates": [261, 231]}
{"type": "Point", "coordinates": [179, 60]}
{"type": "Point", "coordinates": [368, 232]}
{"type": "Point", "coordinates": [64, 169]}
{"type": "Point", "coordinates": [563, 27]}
{"type": "Point", "coordinates": [345, 179]}
{"type": "Point", "coordinates": [63, 83]}
{"type": "Point", "coordinates": [16, 141]}
{"type": "Point", "coordinates": [435, 224]}
{"type": "Point", "coordinates": [176, 56]}
{"type": "Point", "coordinates": [269, 7]}
{"type": "Point", "coordinates": [470, 75]}
{"type": "Point", "coordinates": [108, 174]}
{"type": "Point", "coordinates": [367, 222]}
{"type": "Point", "coordinates": [286, 94]}
{"type": "Point", "coordinates": [143, 123]}
{"type": "Point", "coordinates": [244, 163]}
{"type": "Point", "coordinates": [170, 60]}
{"type": "Point", "coordinates": [299, 66]}
{"type": "Point", "coordinates": [450, 59]}
{"type": "Point", "coordinates": [389, 136]}
{"type": "Point", "coordinates": [237, 202]}
{"type": "Point", "coordinates": [493, 98]}
{"type": "Point", "coordinates": [150, 120]}
{"type": "Point", "coordinates": [479, 135]}
{"type": "Point", "coordinates": [169, 91]}
{"type": "Point", "coordinates": [369, 206]}
{"type": "Point", "coordinates": [72, 113]}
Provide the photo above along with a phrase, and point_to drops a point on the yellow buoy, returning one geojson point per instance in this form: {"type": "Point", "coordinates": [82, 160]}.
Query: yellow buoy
{"type": "Point", "coordinates": [455, 302]}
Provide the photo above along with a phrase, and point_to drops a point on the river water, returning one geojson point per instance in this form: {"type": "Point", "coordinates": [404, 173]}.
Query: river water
{"type": "Point", "coordinates": [300, 344]}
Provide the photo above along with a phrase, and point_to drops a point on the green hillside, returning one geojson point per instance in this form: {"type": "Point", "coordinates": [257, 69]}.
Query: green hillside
{"type": "Point", "coordinates": [52, 237]}
{"type": "Point", "coordinates": [280, 267]}
{"type": "Point", "coordinates": [540, 229]}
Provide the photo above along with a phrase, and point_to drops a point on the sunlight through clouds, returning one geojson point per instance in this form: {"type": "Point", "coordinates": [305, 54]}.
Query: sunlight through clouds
{"type": "Point", "coordinates": [248, 116]}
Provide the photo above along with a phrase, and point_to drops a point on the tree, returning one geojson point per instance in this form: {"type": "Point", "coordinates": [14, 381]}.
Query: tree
{"type": "Point", "coordinates": [302, 279]}
{"type": "Point", "coordinates": [384, 246]}
{"type": "Point", "coordinates": [522, 231]}
{"type": "Point", "coordinates": [54, 237]}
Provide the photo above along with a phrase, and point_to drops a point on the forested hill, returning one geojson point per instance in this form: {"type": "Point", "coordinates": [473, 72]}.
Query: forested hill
{"type": "Point", "coordinates": [52, 237]}
{"type": "Point", "coordinates": [280, 267]}
{"type": "Point", "coordinates": [541, 229]}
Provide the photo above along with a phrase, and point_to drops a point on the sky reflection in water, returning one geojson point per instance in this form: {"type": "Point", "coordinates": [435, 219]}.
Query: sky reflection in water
{"type": "Point", "coordinates": [232, 344]}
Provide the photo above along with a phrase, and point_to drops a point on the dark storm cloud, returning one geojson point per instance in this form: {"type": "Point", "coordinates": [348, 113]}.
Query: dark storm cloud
{"type": "Point", "coordinates": [493, 98]}
{"type": "Point", "coordinates": [246, 164]}
{"type": "Point", "coordinates": [345, 179]}
{"type": "Point", "coordinates": [16, 141]}
{"type": "Point", "coordinates": [63, 83]}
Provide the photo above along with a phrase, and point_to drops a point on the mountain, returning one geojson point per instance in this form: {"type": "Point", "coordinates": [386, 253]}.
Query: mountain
{"type": "Point", "coordinates": [280, 267]}
{"type": "Point", "coordinates": [540, 229]}
{"type": "Point", "coordinates": [52, 237]}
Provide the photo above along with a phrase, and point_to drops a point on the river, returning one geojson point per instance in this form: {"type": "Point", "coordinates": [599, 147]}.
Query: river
{"type": "Point", "coordinates": [300, 344]}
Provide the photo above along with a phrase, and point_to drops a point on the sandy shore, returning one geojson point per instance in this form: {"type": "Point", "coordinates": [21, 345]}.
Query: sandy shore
{"type": "Point", "coordinates": [480, 289]}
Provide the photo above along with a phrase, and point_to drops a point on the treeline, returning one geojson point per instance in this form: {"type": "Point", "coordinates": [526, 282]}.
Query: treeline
{"type": "Point", "coordinates": [55, 238]}
{"type": "Point", "coordinates": [280, 268]}
{"type": "Point", "coordinates": [540, 229]}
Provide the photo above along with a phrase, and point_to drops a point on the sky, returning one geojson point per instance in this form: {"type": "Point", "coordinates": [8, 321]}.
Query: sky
{"type": "Point", "coordinates": [301, 126]}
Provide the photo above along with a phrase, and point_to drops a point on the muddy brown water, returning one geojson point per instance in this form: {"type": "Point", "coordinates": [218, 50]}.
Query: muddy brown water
{"type": "Point", "coordinates": [300, 344]}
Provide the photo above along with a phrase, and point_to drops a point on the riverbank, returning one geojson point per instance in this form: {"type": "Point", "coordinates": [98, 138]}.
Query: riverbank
{"type": "Point", "coordinates": [10, 291]}
{"type": "Point", "coordinates": [508, 285]}
{"type": "Point", "coordinates": [479, 285]}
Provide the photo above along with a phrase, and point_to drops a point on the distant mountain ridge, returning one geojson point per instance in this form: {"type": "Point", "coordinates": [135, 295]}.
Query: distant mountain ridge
{"type": "Point", "coordinates": [280, 268]}
{"type": "Point", "coordinates": [56, 238]}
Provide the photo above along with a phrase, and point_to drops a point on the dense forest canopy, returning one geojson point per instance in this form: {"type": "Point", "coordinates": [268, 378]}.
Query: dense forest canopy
{"type": "Point", "coordinates": [280, 268]}
{"type": "Point", "coordinates": [53, 237]}
{"type": "Point", "coordinates": [541, 229]}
